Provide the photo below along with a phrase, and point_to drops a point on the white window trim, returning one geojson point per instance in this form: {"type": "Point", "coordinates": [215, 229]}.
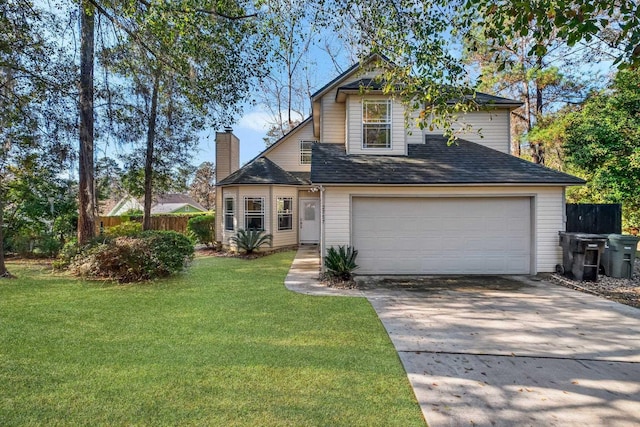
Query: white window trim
{"type": "Point", "coordinates": [300, 162]}
{"type": "Point", "coordinates": [278, 213]}
{"type": "Point", "coordinates": [248, 213]}
{"type": "Point", "coordinates": [229, 214]}
{"type": "Point", "coordinates": [390, 123]}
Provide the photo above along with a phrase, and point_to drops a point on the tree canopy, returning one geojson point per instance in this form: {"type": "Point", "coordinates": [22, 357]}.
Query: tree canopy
{"type": "Point", "coordinates": [600, 143]}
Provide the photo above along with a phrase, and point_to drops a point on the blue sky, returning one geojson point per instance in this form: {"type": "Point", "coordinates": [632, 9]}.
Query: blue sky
{"type": "Point", "coordinates": [252, 126]}
{"type": "Point", "coordinates": [250, 129]}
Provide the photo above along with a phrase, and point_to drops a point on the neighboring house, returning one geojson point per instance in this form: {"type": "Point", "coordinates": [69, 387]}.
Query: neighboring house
{"type": "Point", "coordinates": [164, 204]}
{"type": "Point", "coordinates": [353, 174]}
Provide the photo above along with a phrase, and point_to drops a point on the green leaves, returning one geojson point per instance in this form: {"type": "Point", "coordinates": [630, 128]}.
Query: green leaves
{"type": "Point", "coordinates": [250, 241]}
{"type": "Point", "coordinates": [573, 21]}
{"type": "Point", "coordinates": [341, 262]}
{"type": "Point", "coordinates": [601, 144]}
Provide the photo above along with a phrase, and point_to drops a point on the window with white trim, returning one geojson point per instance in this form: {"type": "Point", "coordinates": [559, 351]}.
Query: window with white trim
{"type": "Point", "coordinates": [254, 213]}
{"type": "Point", "coordinates": [285, 213]}
{"type": "Point", "coordinates": [229, 211]}
{"type": "Point", "coordinates": [376, 123]}
{"type": "Point", "coordinates": [305, 152]}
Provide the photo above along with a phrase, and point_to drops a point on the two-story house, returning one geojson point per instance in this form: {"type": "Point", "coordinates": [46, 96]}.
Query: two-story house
{"type": "Point", "coordinates": [353, 174]}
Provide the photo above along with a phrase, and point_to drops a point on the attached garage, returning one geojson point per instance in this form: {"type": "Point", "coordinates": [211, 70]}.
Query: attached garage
{"type": "Point", "coordinates": [442, 235]}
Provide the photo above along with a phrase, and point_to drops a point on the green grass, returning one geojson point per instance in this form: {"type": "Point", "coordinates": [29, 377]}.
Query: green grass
{"type": "Point", "coordinates": [222, 344]}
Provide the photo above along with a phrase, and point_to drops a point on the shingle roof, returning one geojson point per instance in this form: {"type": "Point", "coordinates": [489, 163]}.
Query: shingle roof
{"type": "Point", "coordinates": [262, 171]}
{"type": "Point", "coordinates": [176, 199]}
{"type": "Point", "coordinates": [479, 97]}
{"type": "Point", "coordinates": [172, 207]}
{"type": "Point", "coordinates": [303, 176]}
{"type": "Point", "coordinates": [434, 162]}
{"type": "Point", "coordinates": [350, 70]}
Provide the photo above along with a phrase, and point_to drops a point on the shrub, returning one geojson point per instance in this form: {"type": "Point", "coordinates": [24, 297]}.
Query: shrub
{"type": "Point", "coordinates": [127, 228]}
{"type": "Point", "coordinates": [43, 245]}
{"type": "Point", "coordinates": [202, 228]}
{"type": "Point", "coordinates": [250, 240]}
{"type": "Point", "coordinates": [145, 256]}
{"type": "Point", "coordinates": [47, 246]}
{"type": "Point", "coordinates": [341, 263]}
{"type": "Point", "coordinates": [172, 249]}
{"type": "Point", "coordinates": [67, 254]}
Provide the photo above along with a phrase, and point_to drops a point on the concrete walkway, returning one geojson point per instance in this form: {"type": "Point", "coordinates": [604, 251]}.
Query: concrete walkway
{"type": "Point", "coordinates": [505, 351]}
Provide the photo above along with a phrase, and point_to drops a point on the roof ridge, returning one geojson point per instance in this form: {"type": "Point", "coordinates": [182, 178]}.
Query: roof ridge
{"type": "Point", "coordinates": [263, 165]}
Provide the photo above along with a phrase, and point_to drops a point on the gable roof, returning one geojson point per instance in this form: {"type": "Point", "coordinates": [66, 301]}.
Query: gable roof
{"type": "Point", "coordinates": [171, 202]}
{"type": "Point", "coordinates": [163, 203]}
{"type": "Point", "coordinates": [176, 198]}
{"type": "Point", "coordinates": [263, 171]}
{"type": "Point", "coordinates": [431, 163]}
{"type": "Point", "coordinates": [358, 66]}
{"type": "Point", "coordinates": [347, 73]}
{"type": "Point", "coordinates": [117, 209]}
{"type": "Point", "coordinates": [298, 127]}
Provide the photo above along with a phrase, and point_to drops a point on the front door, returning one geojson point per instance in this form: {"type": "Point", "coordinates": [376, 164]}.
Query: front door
{"type": "Point", "coordinates": [309, 220]}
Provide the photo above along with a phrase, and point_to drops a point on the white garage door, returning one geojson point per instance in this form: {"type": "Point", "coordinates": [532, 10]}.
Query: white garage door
{"type": "Point", "coordinates": [442, 235]}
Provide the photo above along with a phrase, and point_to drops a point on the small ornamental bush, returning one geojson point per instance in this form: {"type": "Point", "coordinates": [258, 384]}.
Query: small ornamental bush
{"type": "Point", "coordinates": [202, 228]}
{"type": "Point", "coordinates": [340, 263]}
{"type": "Point", "coordinates": [145, 256]}
{"type": "Point", "coordinates": [172, 249]}
{"type": "Point", "coordinates": [127, 228]}
{"type": "Point", "coordinates": [250, 241]}
{"type": "Point", "coordinates": [68, 252]}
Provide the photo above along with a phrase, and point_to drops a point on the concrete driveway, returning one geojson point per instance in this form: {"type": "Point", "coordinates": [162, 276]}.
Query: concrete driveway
{"type": "Point", "coordinates": [511, 351]}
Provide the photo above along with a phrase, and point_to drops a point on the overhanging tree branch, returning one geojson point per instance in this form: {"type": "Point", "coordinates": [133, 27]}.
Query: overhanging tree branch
{"type": "Point", "coordinates": [205, 11]}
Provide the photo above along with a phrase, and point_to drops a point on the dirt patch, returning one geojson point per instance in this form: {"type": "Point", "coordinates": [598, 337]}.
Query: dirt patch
{"type": "Point", "coordinates": [428, 284]}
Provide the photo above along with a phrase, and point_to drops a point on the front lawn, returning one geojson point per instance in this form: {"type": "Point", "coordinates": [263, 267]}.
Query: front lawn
{"type": "Point", "coordinates": [222, 344]}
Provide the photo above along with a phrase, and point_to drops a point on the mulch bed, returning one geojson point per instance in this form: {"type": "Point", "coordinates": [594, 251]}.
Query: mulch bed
{"type": "Point", "coordinates": [223, 253]}
{"type": "Point", "coordinates": [336, 283]}
{"type": "Point", "coordinates": [624, 291]}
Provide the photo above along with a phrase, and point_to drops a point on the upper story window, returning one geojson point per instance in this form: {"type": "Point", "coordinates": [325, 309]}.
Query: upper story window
{"type": "Point", "coordinates": [305, 152]}
{"type": "Point", "coordinates": [228, 213]}
{"type": "Point", "coordinates": [376, 123]}
{"type": "Point", "coordinates": [254, 213]}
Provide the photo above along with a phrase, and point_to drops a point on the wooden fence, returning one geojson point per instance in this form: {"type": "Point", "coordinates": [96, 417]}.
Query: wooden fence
{"type": "Point", "coordinates": [594, 218]}
{"type": "Point", "coordinates": [158, 222]}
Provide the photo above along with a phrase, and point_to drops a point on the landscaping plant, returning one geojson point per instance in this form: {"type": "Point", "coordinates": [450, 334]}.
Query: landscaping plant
{"type": "Point", "coordinates": [202, 228]}
{"type": "Point", "coordinates": [341, 262]}
{"type": "Point", "coordinates": [126, 228]}
{"type": "Point", "coordinates": [250, 241]}
{"type": "Point", "coordinates": [143, 256]}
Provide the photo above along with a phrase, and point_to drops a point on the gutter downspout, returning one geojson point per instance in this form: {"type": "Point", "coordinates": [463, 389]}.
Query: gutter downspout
{"type": "Point", "coordinates": [322, 241]}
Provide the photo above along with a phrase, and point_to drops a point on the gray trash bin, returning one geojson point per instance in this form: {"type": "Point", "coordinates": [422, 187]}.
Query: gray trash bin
{"type": "Point", "coordinates": [619, 256]}
{"type": "Point", "coordinates": [581, 254]}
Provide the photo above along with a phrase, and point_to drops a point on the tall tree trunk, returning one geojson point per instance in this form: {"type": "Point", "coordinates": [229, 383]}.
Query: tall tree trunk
{"type": "Point", "coordinates": [538, 89]}
{"type": "Point", "coordinates": [86, 190]}
{"type": "Point", "coordinates": [537, 149]}
{"type": "Point", "coordinates": [148, 161]}
{"type": "Point", "coordinates": [3, 268]}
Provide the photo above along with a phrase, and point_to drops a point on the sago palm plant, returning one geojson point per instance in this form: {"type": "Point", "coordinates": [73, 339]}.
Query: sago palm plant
{"type": "Point", "coordinates": [341, 262]}
{"type": "Point", "coordinates": [250, 241]}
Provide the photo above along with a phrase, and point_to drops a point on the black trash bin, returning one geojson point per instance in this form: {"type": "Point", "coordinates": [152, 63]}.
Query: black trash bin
{"type": "Point", "coordinates": [619, 256]}
{"type": "Point", "coordinates": [581, 254]}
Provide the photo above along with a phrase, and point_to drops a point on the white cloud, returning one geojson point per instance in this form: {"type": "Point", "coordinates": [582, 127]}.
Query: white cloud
{"type": "Point", "coordinates": [257, 120]}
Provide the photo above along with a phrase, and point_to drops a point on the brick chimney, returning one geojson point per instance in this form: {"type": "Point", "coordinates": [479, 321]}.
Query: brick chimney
{"type": "Point", "coordinates": [227, 153]}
